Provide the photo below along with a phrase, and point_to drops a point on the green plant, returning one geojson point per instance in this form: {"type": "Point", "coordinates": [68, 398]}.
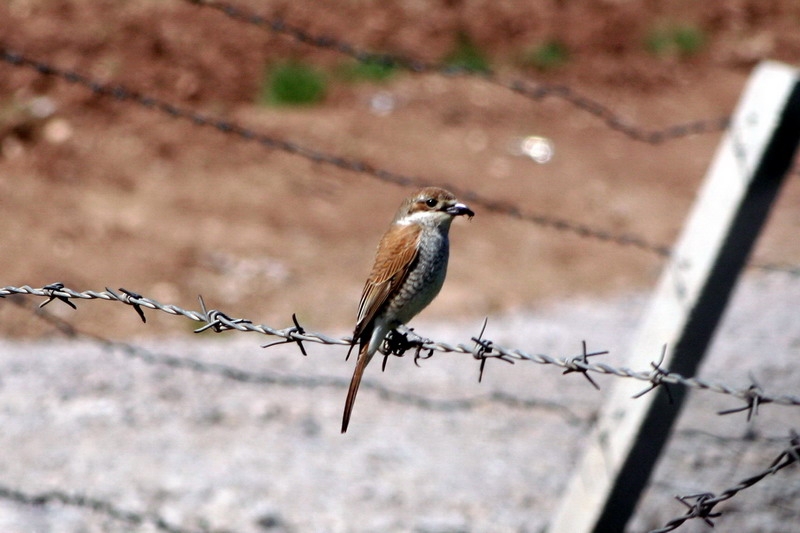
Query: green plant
{"type": "Point", "coordinates": [293, 83]}
{"type": "Point", "coordinates": [547, 56]}
{"type": "Point", "coordinates": [689, 39]}
{"type": "Point", "coordinates": [683, 40]}
{"type": "Point", "coordinates": [466, 55]}
{"type": "Point", "coordinates": [370, 70]}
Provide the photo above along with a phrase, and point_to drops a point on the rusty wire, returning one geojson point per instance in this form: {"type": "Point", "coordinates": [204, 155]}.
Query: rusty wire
{"type": "Point", "coordinates": [407, 340]}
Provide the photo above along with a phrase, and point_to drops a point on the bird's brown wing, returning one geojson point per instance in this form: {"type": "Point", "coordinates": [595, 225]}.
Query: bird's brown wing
{"type": "Point", "coordinates": [397, 250]}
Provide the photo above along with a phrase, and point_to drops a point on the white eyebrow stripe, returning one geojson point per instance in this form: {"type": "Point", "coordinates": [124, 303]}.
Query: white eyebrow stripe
{"type": "Point", "coordinates": [417, 216]}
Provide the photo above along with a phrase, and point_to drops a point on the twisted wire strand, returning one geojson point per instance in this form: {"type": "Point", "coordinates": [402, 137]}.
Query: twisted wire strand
{"type": "Point", "coordinates": [310, 382]}
{"type": "Point", "coordinates": [701, 506]}
{"type": "Point", "coordinates": [578, 229]}
{"type": "Point", "coordinates": [527, 89]}
{"type": "Point", "coordinates": [122, 93]}
{"type": "Point", "coordinates": [481, 349]}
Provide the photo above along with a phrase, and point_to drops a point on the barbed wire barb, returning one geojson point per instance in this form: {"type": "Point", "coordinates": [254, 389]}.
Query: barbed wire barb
{"type": "Point", "coordinates": [583, 368]}
{"type": "Point", "coordinates": [704, 503]}
{"type": "Point", "coordinates": [53, 289]}
{"type": "Point", "coordinates": [657, 378]}
{"type": "Point", "coordinates": [753, 397]}
{"type": "Point", "coordinates": [399, 342]}
{"type": "Point", "coordinates": [129, 299]}
{"type": "Point", "coordinates": [482, 349]}
{"type": "Point", "coordinates": [311, 382]}
{"type": "Point", "coordinates": [217, 320]}
{"type": "Point", "coordinates": [298, 329]}
{"type": "Point", "coordinates": [701, 505]}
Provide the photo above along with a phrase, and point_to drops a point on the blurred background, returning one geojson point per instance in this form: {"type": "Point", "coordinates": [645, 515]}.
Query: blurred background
{"type": "Point", "coordinates": [97, 192]}
{"type": "Point", "coordinates": [593, 121]}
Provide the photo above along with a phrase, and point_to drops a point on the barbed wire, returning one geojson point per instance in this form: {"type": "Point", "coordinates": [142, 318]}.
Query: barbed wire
{"type": "Point", "coordinates": [99, 506]}
{"type": "Point", "coordinates": [405, 340]}
{"type": "Point", "coordinates": [701, 505]}
{"type": "Point", "coordinates": [581, 230]}
{"type": "Point", "coordinates": [122, 93]}
{"type": "Point", "coordinates": [527, 89]}
{"type": "Point", "coordinates": [310, 382]}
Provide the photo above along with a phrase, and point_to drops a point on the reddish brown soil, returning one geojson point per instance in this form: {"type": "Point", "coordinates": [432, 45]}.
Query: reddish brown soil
{"type": "Point", "coordinates": [109, 194]}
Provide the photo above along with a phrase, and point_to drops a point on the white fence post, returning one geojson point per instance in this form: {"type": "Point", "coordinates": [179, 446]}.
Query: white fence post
{"type": "Point", "coordinates": [751, 162]}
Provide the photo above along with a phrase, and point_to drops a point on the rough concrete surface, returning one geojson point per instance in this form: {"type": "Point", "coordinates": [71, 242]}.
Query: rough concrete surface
{"type": "Point", "coordinates": [205, 452]}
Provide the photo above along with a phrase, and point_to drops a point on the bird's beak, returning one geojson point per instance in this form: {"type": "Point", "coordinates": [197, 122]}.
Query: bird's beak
{"type": "Point", "coordinates": [460, 209]}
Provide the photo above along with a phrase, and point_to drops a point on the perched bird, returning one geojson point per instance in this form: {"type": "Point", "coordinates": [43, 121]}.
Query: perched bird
{"type": "Point", "coordinates": [408, 272]}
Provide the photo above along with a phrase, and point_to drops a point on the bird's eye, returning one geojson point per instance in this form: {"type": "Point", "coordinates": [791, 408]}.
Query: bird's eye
{"type": "Point", "coordinates": [431, 202]}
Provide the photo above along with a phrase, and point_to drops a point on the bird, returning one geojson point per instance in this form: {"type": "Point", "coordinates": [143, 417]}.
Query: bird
{"type": "Point", "coordinates": [408, 272]}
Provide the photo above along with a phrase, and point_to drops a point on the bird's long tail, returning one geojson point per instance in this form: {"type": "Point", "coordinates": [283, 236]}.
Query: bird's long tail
{"type": "Point", "coordinates": [364, 358]}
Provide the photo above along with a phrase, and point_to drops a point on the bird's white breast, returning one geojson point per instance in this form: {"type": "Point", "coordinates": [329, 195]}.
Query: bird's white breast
{"type": "Point", "coordinates": [426, 276]}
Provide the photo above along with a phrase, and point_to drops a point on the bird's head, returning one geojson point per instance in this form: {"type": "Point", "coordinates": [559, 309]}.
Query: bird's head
{"type": "Point", "coordinates": [432, 206]}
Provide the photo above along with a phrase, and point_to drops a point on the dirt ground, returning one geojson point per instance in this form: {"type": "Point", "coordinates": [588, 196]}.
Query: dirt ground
{"type": "Point", "coordinates": [99, 193]}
